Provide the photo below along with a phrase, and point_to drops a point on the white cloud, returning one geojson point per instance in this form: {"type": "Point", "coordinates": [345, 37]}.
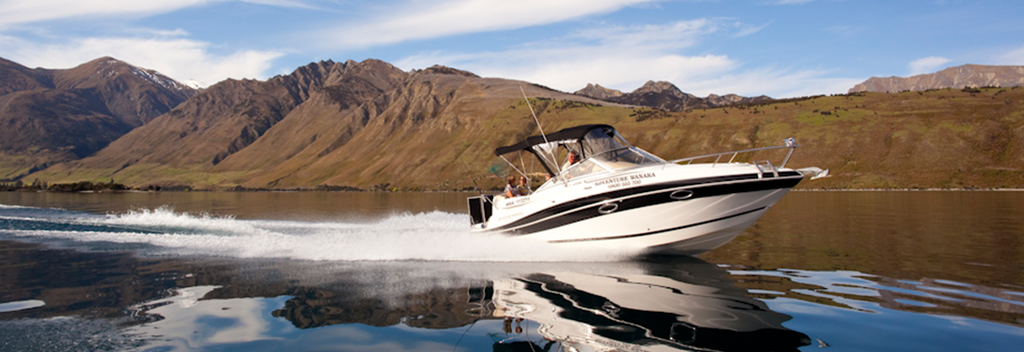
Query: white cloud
{"type": "Point", "coordinates": [926, 65]}
{"type": "Point", "coordinates": [429, 19]}
{"type": "Point", "coordinates": [676, 35]}
{"type": "Point", "coordinates": [616, 57]}
{"type": "Point", "coordinates": [624, 72]}
{"type": "Point", "coordinates": [28, 11]}
{"type": "Point", "coordinates": [178, 32]}
{"type": "Point", "coordinates": [746, 29]}
{"type": "Point", "coordinates": [283, 3]}
{"type": "Point", "coordinates": [777, 83]}
{"type": "Point", "coordinates": [624, 58]}
{"type": "Point", "coordinates": [182, 59]}
{"type": "Point", "coordinates": [621, 57]}
{"type": "Point", "coordinates": [1013, 57]}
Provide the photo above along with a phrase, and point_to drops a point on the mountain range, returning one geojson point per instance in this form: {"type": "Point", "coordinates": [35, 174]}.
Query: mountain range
{"type": "Point", "coordinates": [371, 125]}
{"type": "Point", "coordinates": [971, 76]}
{"type": "Point", "coordinates": [665, 96]}
{"type": "Point", "coordinates": [325, 123]}
{"type": "Point", "coordinates": [52, 116]}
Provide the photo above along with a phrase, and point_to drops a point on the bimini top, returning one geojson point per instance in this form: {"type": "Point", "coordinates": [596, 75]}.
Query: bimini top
{"type": "Point", "coordinates": [571, 133]}
{"type": "Point", "coordinates": [597, 148]}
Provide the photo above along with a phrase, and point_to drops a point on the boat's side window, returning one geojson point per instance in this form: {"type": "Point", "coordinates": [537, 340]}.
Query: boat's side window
{"type": "Point", "coordinates": [600, 141]}
{"type": "Point", "coordinates": [585, 167]}
{"type": "Point", "coordinates": [625, 158]}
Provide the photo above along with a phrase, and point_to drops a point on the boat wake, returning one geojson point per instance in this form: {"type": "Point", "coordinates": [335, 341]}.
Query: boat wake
{"type": "Point", "coordinates": [433, 236]}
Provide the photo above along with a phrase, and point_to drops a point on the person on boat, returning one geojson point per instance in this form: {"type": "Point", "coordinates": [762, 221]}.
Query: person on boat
{"type": "Point", "coordinates": [573, 159]}
{"type": "Point", "coordinates": [523, 188]}
{"type": "Point", "coordinates": [511, 190]}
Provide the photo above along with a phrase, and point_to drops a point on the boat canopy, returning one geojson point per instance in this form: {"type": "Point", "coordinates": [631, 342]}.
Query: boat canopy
{"type": "Point", "coordinates": [573, 134]}
{"type": "Point", "coordinates": [586, 141]}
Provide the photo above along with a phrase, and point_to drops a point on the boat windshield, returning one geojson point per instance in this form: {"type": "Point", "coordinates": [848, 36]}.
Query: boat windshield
{"type": "Point", "coordinates": [602, 140]}
{"type": "Point", "coordinates": [605, 150]}
{"type": "Point", "coordinates": [607, 147]}
{"type": "Point", "coordinates": [613, 160]}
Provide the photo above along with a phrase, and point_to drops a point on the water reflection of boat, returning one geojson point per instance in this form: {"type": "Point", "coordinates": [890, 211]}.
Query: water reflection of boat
{"type": "Point", "coordinates": [611, 193]}
{"type": "Point", "coordinates": [694, 307]}
{"type": "Point", "coordinates": [681, 305]}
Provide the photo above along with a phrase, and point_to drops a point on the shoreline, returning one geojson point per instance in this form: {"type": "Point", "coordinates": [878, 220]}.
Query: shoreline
{"type": "Point", "coordinates": [908, 190]}
{"type": "Point", "coordinates": [311, 190]}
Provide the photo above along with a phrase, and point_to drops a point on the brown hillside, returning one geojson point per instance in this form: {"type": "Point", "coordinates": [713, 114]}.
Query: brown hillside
{"type": "Point", "coordinates": [353, 93]}
{"type": "Point", "coordinates": [356, 119]}
{"type": "Point", "coordinates": [937, 139]}
{"type": "Point", "coordinates": [954, 77]}
{"type": "Point", "coordinates": [203, 131]}
{"type": "Point", "coordinates": [15, 78]}
{"type": "Point", "coordinates": [436, 130]}
{"type": "Point", "coordinates": [50, 116]}
{"type": "Point", "coordinates": [132, 94]}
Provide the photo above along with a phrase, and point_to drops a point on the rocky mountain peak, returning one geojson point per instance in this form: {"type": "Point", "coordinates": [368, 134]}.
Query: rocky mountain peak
{"type": "Point", "coordinates": [732, 99]}
{"type": "Point", "coordinates": [657, 87]}
{"type": "Point", "coordinates": [665, 96]}
{"type": "Point", "coordinates": [445, 70]}
{"type": "Point", "coordinates": [371, 67]}
{"type": "Point", "coordinates": [14, 78]}
{"type": "Point", "coordinates": [99, 71]}
{"type": "Point", "coordinates": [72, 113]}
{"type": "Point", "coordinates": [598, 92]}
{"type": "Point", "coordinates": [311, 75]}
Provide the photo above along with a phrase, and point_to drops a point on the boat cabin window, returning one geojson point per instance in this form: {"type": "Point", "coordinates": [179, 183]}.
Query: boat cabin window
{"type": "Point", "coordinates": [584, 167]}
{"type": "Point", "coordinates": [613, 160]}
{"type": "Point", "coordinates": [601, 140]}
{"type": "Point", "coordinates": [606, 147]}
{"type": "Point", "coordinates": [626, 158]}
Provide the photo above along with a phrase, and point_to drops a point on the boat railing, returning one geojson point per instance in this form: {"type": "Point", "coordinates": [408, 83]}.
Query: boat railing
{"type": "Point", "coordinates": [790, 144]}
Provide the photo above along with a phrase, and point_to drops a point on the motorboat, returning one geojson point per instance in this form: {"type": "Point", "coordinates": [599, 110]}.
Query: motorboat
{"type": "Point", "coordinates": [600, 190]}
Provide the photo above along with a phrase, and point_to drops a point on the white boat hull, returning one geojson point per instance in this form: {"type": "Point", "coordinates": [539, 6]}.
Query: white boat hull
{"type": "Point", "coordinates": [710, 211]}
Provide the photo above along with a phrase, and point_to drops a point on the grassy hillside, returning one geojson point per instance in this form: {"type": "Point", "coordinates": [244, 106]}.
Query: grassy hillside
{"type": "Point", "coordinates": [934, 139]}
{"type": "Point", "coordinates": [947, 138]}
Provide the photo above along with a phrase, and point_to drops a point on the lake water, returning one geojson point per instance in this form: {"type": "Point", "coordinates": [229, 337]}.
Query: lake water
{"type": "Point", "coordinates": [830, 271]}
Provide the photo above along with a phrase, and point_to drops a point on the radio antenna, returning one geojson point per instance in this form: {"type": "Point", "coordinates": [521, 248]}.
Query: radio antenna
{"type": "Point", "coordinates": [551, 153]}
{"type": "Point", "coordinates": [534, 114]}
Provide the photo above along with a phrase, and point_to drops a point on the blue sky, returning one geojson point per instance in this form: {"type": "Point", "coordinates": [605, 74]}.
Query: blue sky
{"type": "Point", "coordinates": [779, 48]}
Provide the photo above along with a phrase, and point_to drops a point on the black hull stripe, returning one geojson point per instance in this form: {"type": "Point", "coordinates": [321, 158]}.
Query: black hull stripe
{"type": "Point", "coordinates": [586, 208]}
{"type": "Point", "coordinates": [661, 231]}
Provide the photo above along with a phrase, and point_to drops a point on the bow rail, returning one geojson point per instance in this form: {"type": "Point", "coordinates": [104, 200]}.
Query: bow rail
{"type": "Point", "coordinates": [790, 143]}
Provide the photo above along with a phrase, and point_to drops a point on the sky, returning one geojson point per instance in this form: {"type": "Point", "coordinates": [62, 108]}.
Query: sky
{"type": "Point", "coordinates": [778, 48]}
